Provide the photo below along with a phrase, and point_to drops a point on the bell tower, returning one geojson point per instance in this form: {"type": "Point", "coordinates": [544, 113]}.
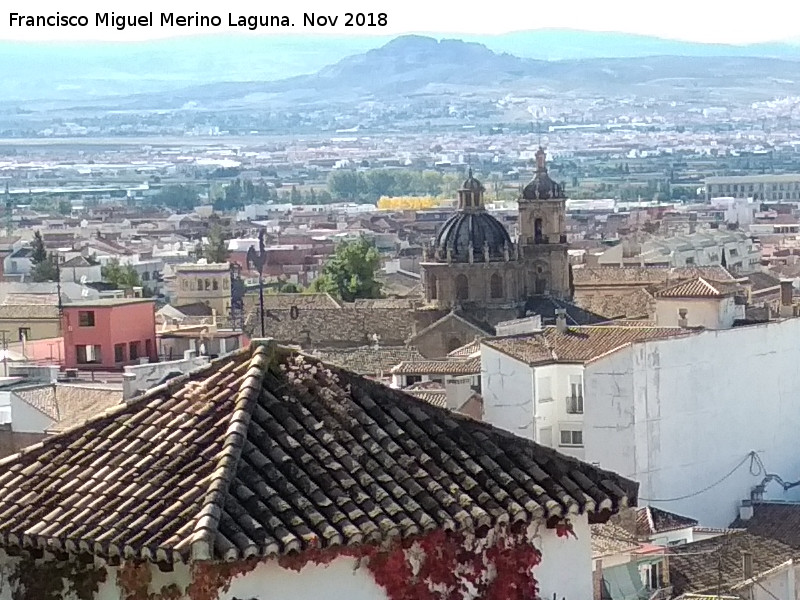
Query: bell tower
{"type": "Point", "coordinates": [542, 234]}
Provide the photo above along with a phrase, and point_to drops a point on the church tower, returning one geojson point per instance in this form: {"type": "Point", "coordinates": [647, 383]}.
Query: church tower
{"type": "Point", "coordinates": [542, 235]}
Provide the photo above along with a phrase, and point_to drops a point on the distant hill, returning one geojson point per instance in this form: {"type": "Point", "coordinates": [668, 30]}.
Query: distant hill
{"type": "Point", "coordinates": [77, 72]}
{"type": "Point", "coordinates": [414, 65]}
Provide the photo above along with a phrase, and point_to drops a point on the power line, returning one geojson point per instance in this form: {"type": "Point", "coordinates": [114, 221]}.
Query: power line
{"type": "Point", "coordinates": [752, 455]}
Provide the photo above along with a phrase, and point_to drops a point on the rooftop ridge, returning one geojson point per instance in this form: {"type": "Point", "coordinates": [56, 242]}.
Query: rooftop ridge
{"type": "Point", "coordinates": [207, 520]}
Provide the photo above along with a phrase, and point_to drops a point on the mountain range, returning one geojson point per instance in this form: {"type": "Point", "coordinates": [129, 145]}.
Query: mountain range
{"type": "Point", "coordinates": [276, 64]}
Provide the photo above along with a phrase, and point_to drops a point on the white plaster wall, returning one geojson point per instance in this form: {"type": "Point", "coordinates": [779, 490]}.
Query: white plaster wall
{"type": "Point", "coordinates": [553, 413]}
{"type": "Point", "coordinates": [566, 567]}
{"type": "Point", "coordinates": [342, 579]}
{"type": "Point", "coordinates": [24, 417]}
{"type": "Point", "coordinates": [712, 313]}
{"type": "Point", "coordinates": [677, 415]}
{"type": "Point", "coordinates": [507, 388]}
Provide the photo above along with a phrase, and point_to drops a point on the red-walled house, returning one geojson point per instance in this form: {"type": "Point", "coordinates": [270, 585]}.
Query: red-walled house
{"type": "Point", "coordinates": [108, 334]}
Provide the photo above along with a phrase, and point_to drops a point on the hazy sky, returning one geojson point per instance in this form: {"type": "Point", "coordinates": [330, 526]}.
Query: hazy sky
{"type": "Point", "coordinates": [734, 22]}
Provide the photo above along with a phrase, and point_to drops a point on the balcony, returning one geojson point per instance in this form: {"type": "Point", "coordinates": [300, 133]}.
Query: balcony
{"type": "Point", "coordinates": [575, 405]}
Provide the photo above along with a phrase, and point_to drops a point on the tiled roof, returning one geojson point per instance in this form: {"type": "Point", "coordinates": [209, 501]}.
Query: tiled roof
{"type": "Point", "coordinates": [636, 304]}
{"type": "Point", "coordinates": [264, 452]}
{"type": "Point", "coordinates": [645, 275]}
{"type": "Point", "coordinates": [70, 405]}
{"type": "Point", "coordinates": [547, 306]}
{"type": "Point", "coordinates": [19, 312]}
{"type": "Point", "coordinates": [698, 288]}
{"type": "Point", "coordinates": [473, 347]}
{"type": "Point", "coordinates": [651, 520]}
{"type": "Point", "coordinates": [369, 360]}
{"type": "Point", "coordinates": [776, 520]}
{"type": "Point", "coordinates": [761, 281]}
{"type": "Point", "coordinates": [385, 303]}
{"type": "Point", "coordinates": [467, 366]}
{"type": "Point", "coordinates": [287, 301]}
{"type": "Point", "coordinates": [434, 396]}
{"type": "Point", "coordinates": [699, 567]}
{"type": "Point", "coordinates": [609, 538]}
{"type": "Point", "coordinates": [578, 344]}
{"type": "Point", "coordinates": [334, 327]}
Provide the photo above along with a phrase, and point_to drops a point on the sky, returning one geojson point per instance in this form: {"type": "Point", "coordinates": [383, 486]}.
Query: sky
{"type": "Point", "coordinates": [710, 21]}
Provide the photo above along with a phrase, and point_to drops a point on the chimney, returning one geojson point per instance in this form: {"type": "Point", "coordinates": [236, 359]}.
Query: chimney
{"type": "Point", "coordinates": [746, 510]}
{"type": "Point", "coordinates": [561, 320]}
{"type": "Point", "coordinates": [682, 320]}
{"type": "Point", "coordinates": [747, 565]}
{"type": "Point", "coordinates": [787, 293]}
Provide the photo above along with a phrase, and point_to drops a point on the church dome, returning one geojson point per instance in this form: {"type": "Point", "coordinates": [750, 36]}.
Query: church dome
{"type": "Point", "coordinates": [472, 228]}
{"type": "Point", "coordinates": [542, 187]}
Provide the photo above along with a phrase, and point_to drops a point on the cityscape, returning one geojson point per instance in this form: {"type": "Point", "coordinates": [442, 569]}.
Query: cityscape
{"type": "Point", "coordinates": [402, 317]}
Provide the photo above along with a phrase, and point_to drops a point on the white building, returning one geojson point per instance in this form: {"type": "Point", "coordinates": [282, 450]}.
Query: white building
{"type": "Point", "coordinates": [678, 412]}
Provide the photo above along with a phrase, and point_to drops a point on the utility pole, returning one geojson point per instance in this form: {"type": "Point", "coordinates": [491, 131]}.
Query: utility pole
{"type": "Point", "coordinates": [258, 260]}
{"type": "Point", "coordinates": [5, 352]}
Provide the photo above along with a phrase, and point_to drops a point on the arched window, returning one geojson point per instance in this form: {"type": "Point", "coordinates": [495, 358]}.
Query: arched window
{"type": "Point", "coordinates": [199, 285]}
{"type": "Point", "coordinates": [208, 284]}
{"type": "Point", "coordinates": [433, 282]}
{"type": "Point", "coordinates": [215, 284]}
{"type": "Point", "coordinates": [538, 236]}
{"type": "Point", "coordinates": [496, 285]}
{"type": "Point", "coordinates": [462, 287]}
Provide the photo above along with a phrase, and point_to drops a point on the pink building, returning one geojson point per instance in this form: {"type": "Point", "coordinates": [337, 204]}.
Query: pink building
{"type": "Point", "coordinates": [108, 334]}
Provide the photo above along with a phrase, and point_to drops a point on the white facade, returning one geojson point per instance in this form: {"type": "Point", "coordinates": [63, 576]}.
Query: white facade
{"type": "Point", "coordinates": [565, 570]}
{"type": "Point", "coordinates": [543, 403]}
{"type": "Point", "coordinates": [711, 313]}
{"type": "Point", "coordinates": [679, 415]}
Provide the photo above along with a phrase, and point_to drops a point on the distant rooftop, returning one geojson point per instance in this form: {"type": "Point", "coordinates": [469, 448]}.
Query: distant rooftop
{"type": "Point", "coordinates": [108, 302]}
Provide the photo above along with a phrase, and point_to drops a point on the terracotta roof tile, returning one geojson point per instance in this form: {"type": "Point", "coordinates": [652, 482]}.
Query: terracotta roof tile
{"type": "Point", "coordinates": [473, 347]}
{"type": "Point", "coordinates": [651, 520]}
{"type": "Point", "coordinates": [645, 275]}
{"type": "Point", "coordinates": [776, 520]}
{"type": "Point", "coordinates": [578, 344]}
{"type": "Point", "coordinates": [467, 366]}
{"type": "Point", "coordinates": [700, 566]}
{"type": "Point", "coordinates": [609, 538]}
{"type": "Point", "coordinates": [698, 288]}
{"type": "Point", "coordinates": [369, 360]}
{"type": "Point", "coordinates": [265, 452]}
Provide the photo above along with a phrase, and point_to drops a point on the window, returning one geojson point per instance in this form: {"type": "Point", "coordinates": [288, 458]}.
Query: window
{"type": "Point", "coordinates": [215, 284]}
{"type": "Point", "coordinates": [432, 287]}
{"type": "Point", "coordinates": [146, 276]}
{"type": "Point", "coordinates": [653, 575]}
{"type": "Point", "coordinates": [119, 353]}
{"type": "Point", "coordinates": [462, 287]}
{"type": "Point", "coordinates": [199, 285]}
{"type": "Point", "coordinates": [571, 437]}
{"type": "Point", "coordinates": [185, 284]}
{"type": "Point", "coordinates": [575, 398]}
{"type": "Point", "coordinates": [412, 379]}
{"type": "Point", "coordinates": [545, 392]}
{"type": "Point", "coordinates": [87, 355]}
{"type": "Point", "coordinates": [24, 333]}
{"type": "Point", "coordinates": [86, 318]}
{"type": "Point", "coordinates": [134, 350]}
{"type": "Point", "coordinates": [208, 284]}
{"type": "Point", "coordinates": [690, 260]}
{"type": "Point", "coordinates": [496, 285]}
{"type": "Point", "coordinates": [225, 284]}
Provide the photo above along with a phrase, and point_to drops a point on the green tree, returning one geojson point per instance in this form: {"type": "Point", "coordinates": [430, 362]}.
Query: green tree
{"type": "Point", "coordinates": [346, 184]}
{"type": "Point", "coordinates": [44, 264]}
{"type": "Point", "coordinates": [121, 277]}
{"type": "Point", "coordinates": [216, 250]}
{"type": "Point", "coordinates": [290, 288]}
{"type": "Point", "coordinates": [64, 207]}
{"type": "Point", "coordinates": [351, 272]}
{"type": "Point", "coordinates": [178, 197]}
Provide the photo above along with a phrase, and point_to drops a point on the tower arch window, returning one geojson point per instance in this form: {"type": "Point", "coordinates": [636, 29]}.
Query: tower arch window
{"type": "Point", "coordinates": [432, 283]}
{"type": "Point", "coordinates": [496, 285]}
{"type": "Point", "coordinates": [538, 235]}
{"type": "Point", "coordinates": [462, 287]}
